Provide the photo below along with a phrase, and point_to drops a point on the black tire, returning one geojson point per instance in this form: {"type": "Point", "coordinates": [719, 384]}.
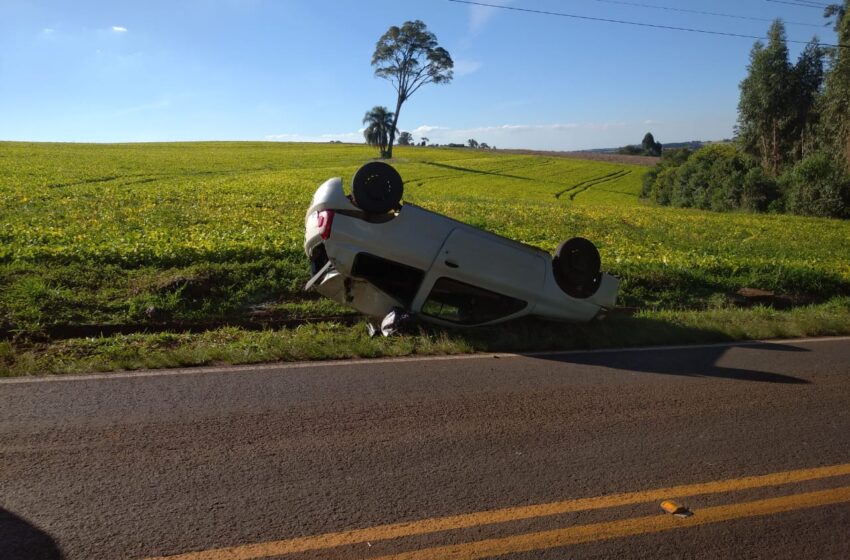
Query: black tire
{"type": "Point", "coordinates": [377, 188]}
{"type": "Point", "coordinates": [576, 266]}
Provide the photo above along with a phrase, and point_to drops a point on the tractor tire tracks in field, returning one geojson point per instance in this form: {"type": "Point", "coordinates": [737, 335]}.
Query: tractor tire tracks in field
{"type": "Point", "coordinates": [579, 188]}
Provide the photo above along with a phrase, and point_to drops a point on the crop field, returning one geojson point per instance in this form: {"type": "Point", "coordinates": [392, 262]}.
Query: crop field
{"type": "Point", "coordinates": [210, 233]}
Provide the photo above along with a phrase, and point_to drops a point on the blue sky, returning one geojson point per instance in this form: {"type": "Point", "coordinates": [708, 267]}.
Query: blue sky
{"type": "Point", "coordinates": [128, 71]}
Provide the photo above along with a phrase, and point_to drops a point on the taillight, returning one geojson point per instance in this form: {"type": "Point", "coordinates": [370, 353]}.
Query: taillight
{"type": "Point", "coordinates": [324, 220]}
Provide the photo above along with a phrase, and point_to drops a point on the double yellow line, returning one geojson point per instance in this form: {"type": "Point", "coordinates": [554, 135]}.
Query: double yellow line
{"type": "Point", "coordinates": [557, 537]}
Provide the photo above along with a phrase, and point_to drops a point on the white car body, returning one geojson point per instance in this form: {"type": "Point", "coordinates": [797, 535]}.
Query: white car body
{"type": "Point", "coordinates": [437, 268]}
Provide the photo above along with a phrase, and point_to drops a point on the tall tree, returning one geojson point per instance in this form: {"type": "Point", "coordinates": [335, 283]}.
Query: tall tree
{"type": "Point", "coordinates": [409, 57]}
{"type": "Point", "coordinates": [835, 130]}
{"type": "Point", "coordinates": [379, 122]}
{"type": "Point", "coordinates": [808, 83]}
{"type": "Point", "coordinates": [650, 146]}
{"type": "Point", "coordinates": [766, 107]}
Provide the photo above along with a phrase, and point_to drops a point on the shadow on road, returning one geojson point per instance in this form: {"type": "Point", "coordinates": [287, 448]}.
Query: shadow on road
{"type": "Point", "coordinates": [20, 540]}
{"type": "Point", "coordinates": [536, 335]}
{"type": "Point", "coordinates": [691, 362]}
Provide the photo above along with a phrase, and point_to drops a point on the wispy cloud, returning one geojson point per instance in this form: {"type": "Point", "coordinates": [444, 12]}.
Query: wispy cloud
{"type": "Point", "coordinates": [119, 29]}
{"type": "Point", "coordinates": [427, 129]}
{"type": "Point", "coordinates": [522, 127]}
{"type": "Point", "coordinates": [536, 136]}
{"type": "Point", "coordinates": [547, 136]}
{"type": "Point", "coordinates": [479, 16]}
{"type": "Point", "coordinates": [464, 67]}
{"type": "Point", "coordinates": [296, 137]}
{"type": "Point", "coordinates": [47, 31]}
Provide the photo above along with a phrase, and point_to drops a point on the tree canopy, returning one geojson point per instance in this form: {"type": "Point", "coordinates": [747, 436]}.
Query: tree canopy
{"type": "Point", "coordinates": [650, 146]}
{"type": "Point", "coordinates": [766, 105]}
{"type": "Point", "coordinates": [793, 136]}
{"type": "Point", "coordinates": [836, 95]}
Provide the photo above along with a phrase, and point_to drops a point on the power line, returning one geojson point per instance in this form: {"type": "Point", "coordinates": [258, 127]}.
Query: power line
{"type": "Point", "coordinates": [811, 3]}
{"type": "Point", "coordinates": [803, 4]}
{"type": "Point", "coordinates": [699, 12]}
{"type": "Point", "coordinates": [635, 23]}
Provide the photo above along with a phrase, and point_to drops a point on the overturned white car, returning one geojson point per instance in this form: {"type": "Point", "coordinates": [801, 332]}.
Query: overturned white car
{"type": "Point", "coordinates": [371, 252]}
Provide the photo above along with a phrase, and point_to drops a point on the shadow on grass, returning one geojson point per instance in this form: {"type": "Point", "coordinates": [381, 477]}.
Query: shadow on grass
{"type": "Point", "coordinates": [20, 540]}
{"type": "Point", "coordinates": [535, 335]}
{"type": "Point", "coordinates": [478, 171]}
{"type": "Point", "coordinates": [658, 286]}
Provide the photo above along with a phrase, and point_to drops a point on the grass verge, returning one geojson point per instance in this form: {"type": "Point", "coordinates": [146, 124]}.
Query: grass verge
{"type": "Point", "coordinates": [324, 341]}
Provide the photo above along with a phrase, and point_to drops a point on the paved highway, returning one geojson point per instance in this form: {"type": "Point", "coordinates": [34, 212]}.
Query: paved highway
{"type": "Point", "coordinates": [547, 456]}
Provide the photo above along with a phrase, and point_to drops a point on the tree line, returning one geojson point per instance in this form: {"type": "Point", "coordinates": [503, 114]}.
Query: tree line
{"type": "Point", "coordinates": [792, 147]}
{"type": "Point", "coordinates": [648, 147]}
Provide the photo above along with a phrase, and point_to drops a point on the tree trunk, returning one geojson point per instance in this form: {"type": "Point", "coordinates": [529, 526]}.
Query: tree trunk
{"type": "Point", "coordinates": [765, 157]}
{"type": "Point", "coordinates": [392, 130]}
{"type": "Point", "coordinates": [775, 155]}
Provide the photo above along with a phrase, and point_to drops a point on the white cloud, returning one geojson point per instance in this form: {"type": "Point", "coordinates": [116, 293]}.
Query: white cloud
{"type": "Point", "coordinates": [425, 129]}
{"type": "Point", "coordinates": [650, 121]}
{"type": "Point", "coordinates": [119, 29]}
{"type": "Point", "coordinates": [545, 136]}
{"type": "Point", "coordinates": [296, 137]}
{"type": "Point", "coordinates": [552, 136]}
{"type": "Point", "coordinates": [464, 66]}
{"type": "Point", "coordinates": [47, 30]}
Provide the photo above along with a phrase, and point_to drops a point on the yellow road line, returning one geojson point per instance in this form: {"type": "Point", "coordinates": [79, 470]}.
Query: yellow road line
{"type": "Point", "coordinates": [424, 526]}
{"type": "Point", "coordinates": [627, 527]}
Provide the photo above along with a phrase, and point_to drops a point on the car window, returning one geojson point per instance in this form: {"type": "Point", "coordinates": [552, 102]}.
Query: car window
{"type": "Point", "coordinates": [465, 304]}
{"type": "Point", "coordinates": [393, 278]}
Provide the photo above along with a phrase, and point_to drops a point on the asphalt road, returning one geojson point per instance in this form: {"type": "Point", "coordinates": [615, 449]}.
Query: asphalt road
{"type": "Point", "coordinates": [558, 456]}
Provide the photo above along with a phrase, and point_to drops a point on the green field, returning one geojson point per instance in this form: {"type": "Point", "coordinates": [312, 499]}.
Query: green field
{"type": "Point", "coordinates": [211, 233]}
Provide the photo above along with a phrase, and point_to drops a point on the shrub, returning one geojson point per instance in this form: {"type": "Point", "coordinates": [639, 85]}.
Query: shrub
{"type": "Point", "coordinates": [759, 191]}
{"type": "Point", "coordinates": [817, 186]}
{"type": "Point", "coordinates": [669, 159]}
{"type": "Point", "coordinates": [717, 177]}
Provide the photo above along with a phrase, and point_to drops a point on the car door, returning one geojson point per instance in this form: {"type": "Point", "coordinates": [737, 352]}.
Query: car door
{"type": "Point", "coordinates": [478, 278]}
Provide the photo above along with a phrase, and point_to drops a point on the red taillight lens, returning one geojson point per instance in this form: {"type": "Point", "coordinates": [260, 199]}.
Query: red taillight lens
{"type": "Point", "coordinates": [325, 220]}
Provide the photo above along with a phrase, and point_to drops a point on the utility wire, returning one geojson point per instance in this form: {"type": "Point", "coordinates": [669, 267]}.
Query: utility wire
{"type": "Point", "coordinates": [635, 23]}
{"type": "Point", "coordinates": [804, 5]}
{"type": "Point", "coordinates": [813, 3]}
{"type": "Point", "coordinates": [699, 12]}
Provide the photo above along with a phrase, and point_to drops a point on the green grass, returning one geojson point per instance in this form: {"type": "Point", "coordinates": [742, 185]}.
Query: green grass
{"type": "Point", "coordinates": [145, 234]}
{"type": "Point", "coordinates": [327, 340]}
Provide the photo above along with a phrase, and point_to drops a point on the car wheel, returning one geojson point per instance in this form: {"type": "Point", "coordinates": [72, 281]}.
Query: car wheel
{"type": "Point", "coordinates": [377, 188]}
{"type": "Point", "coordinates": [576, 267]}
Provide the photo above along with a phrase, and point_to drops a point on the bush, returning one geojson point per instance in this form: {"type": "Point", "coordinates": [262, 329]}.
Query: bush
{"type": "Point", "coordinates": [717, 177]}
{"type": "Point", "coordinates": [817, 186]}
{"type": "Point", "coordinates": [759, 191]}
{"type": "Point", "coordinates": [669, 159]}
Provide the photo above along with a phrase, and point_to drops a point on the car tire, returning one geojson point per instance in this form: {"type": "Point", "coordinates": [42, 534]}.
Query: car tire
{"type": "Point", "coordinates": [576, 267]}
{"type": "Point", "coordinates": [377, 188]}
